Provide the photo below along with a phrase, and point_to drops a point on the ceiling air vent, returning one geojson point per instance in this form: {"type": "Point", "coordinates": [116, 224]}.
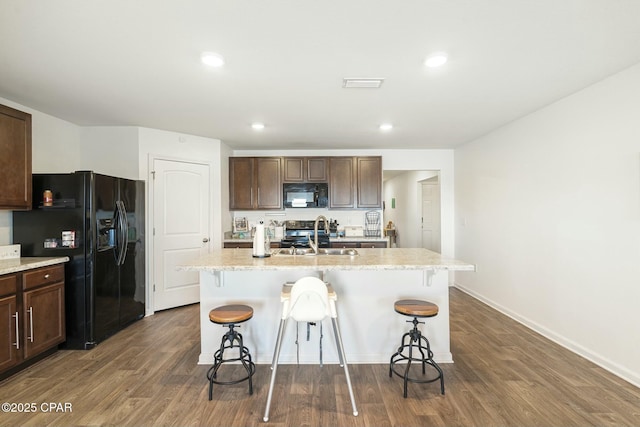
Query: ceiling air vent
{"type": "Point", "coordinates": [361, 83]}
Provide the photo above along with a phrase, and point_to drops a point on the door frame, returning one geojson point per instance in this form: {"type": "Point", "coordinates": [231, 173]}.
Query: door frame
{"type": "Point", "coordinates": [150, 302]}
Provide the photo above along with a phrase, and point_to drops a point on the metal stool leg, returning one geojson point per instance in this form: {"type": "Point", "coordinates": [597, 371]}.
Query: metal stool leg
{"type": "Point", "coordinates": [432, 362]}
{"type": "Point", "coordinates": [233, 338]}
{"type": "Point", "coordinates": [415, 339]}
{"type": "Point", "coordinates": [244, 354]}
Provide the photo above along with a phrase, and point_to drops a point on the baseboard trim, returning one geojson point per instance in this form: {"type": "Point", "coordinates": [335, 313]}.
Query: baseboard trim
{"type": "Point", "coordinates": [603, 362]}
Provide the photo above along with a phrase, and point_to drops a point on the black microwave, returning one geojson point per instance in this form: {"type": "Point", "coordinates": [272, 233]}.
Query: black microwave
{"type": "Point", "coordinates": [305, 195]}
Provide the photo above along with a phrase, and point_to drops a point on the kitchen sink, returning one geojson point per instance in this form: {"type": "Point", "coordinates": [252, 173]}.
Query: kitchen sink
{"type": "Point", "coordinates": [321, 251]}
{"type": "Point", "coordinates": [337, 251]}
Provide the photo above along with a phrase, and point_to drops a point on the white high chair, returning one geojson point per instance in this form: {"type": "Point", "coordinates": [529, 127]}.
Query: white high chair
{"type": "Point", "coordinates": [308, 300]}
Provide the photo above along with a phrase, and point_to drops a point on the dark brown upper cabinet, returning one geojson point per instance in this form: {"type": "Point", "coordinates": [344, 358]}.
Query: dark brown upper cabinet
{"type": "Point", "coordinates": [369, 182]}
{"type": "Point", "coordinates": [15, 159]}
{"type": "Point", "coordinates": [255, 183]}
{"type": "Point", "coordinates": [355, 182]}
{"type": "Point", "coordinates": [305, 169]}
{"type": "Point", "coordinates": [342, 183]}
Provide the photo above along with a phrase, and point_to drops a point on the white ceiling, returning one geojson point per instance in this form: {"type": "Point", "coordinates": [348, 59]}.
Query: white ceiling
{"type": "Point", "coordinates": [137, 62]}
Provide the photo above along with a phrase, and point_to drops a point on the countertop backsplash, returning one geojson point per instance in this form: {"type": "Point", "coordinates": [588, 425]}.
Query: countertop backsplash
{"type": "Point", "coordinates": [344, 218]}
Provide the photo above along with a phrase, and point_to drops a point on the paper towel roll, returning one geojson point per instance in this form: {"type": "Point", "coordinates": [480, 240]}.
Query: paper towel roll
{"type": "Point", "coordinates": [258, 240]}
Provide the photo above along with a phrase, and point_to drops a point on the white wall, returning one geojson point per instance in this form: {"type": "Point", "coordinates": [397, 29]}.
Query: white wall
{"type": "Point", "coordinates": [548, 208]}
{"type": "Point", "coordinates": [110, 150]}
{"type": "Point", "coordinates": [55, 148]}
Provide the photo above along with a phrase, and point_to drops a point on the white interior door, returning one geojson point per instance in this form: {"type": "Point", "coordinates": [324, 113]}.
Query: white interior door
{"type": "Point", "coordinates": [431, 216]}
{"type": "Point", "coordinates": [181, 212]}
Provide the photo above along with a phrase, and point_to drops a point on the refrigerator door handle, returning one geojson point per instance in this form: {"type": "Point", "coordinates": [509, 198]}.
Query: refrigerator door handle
{"type": "Point", "coordinates": [116, 234]}
{"type": "Point", "coordinates": [124, 228]}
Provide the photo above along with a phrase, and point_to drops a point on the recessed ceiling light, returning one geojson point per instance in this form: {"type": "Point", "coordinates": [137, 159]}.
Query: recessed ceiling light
{"type": "Point", "coordinates": [385, 127]}
{"type": "Point", "coordinates": [436, 60]}
{"type": "Point", "coordinates": [212, 59]}
{"type": "Point", "coordinates": [257, 126]}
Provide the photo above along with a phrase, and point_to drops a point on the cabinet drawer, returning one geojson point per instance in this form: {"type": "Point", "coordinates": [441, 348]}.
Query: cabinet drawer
{"type": "Point", "coordinates": [234, 245]}
{"type": "Point", "coordinates": [373, 245]}
{"type": "Point", "coordinates": [42, 276]}
{"type": "Point", "coordinates": [8, 284]}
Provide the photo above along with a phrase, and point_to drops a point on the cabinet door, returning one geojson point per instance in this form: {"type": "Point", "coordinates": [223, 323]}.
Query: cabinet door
{"type": "Point", "coordinates": [316, 169]}
{"type": "Point", "coordinates": [341, 183]}
{"type": "Point", "coordinates": [293, 169]}
{"type": "Point", "coordinates": [269, 182]}
{"type": "Point", "coordinates": [305, 169]}
{"type": "Point", "coordinates": [241, 183]}
{"type": "Point", "coordinates": [15, 159]}
{"type": "Point", "coordinates": [43, 324]}
{"type": "Point", "coordinates": [9, 321]}
{"type": "Point", "coordinates": [369, 182]}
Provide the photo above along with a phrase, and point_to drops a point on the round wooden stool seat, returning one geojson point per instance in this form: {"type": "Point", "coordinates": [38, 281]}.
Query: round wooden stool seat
{"type": "Point", "coordinates": [233, 313]}
{"type": "Point", "coordinates": [415, 307]}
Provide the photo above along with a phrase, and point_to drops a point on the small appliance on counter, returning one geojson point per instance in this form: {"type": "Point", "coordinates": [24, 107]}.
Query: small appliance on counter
{"type": "Point", "coordinates": [353, 231]}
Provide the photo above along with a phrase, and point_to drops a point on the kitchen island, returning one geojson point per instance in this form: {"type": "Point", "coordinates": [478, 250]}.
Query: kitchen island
{"type": "Point", "coordinates": [367, 285]}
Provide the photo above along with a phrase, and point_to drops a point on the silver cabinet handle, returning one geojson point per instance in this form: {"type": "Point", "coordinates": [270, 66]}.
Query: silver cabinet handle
{"type": "Point", "coordinates": [30, 311]}
{"type": "Point", "coordinates": [46, 276]}
{"type": "Point", "coordinates": [17, 343]}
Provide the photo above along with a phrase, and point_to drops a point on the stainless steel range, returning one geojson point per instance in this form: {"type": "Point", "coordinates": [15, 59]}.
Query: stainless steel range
{"type": "Point", "coordinates": [298, 232]}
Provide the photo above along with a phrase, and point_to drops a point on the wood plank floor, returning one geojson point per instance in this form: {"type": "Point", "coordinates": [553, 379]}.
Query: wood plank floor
{"type": "Point", "coordinates": [503, 375]}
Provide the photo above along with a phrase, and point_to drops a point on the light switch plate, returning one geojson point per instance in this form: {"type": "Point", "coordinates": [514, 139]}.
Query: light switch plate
{"type": "Point", "coordinates": [10, 252]}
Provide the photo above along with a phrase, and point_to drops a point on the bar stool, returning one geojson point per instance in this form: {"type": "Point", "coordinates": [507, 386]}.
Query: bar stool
{"type": "Point", "coordinates": [414, 340]}
{"type": "Point", "coordinates": [230, 316]}
{"type": "Point", "coordinates": [308, 300]}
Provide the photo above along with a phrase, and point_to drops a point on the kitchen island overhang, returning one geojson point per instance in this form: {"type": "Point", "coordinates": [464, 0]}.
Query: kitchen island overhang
{"type": "Point", "coordinates": [367, 285]}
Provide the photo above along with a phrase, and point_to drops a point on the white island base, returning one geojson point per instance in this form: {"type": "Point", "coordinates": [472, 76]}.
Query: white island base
{"type": "Point", "coordinates": [371, 329]}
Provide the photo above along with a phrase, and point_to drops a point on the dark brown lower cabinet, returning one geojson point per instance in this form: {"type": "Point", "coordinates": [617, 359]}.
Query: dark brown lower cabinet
{"type": "Point", "coordinates": [244, 245]}
{"type": "Point", "coordinates": [31, 315]}
{"type": "Point", "coordinates": [361, 244]}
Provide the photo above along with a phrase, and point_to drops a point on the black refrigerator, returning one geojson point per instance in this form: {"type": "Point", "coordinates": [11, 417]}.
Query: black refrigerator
{"type": "Point", "coordinates": [98, 222]}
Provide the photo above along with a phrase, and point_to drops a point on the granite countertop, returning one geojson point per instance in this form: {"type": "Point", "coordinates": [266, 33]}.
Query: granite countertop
{"type": "Point", "coordinates": [367, 259]}
{"type": "Point", "coordinates": [15, 265]}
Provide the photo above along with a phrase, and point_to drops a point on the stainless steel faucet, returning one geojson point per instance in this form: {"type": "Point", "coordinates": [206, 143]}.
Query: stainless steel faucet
{"type": "Point", "coordinates": [314, 245]}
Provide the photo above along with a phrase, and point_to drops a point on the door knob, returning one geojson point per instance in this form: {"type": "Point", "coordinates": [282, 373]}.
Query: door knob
{"type": "Point", "coordinates": [205, 240]}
